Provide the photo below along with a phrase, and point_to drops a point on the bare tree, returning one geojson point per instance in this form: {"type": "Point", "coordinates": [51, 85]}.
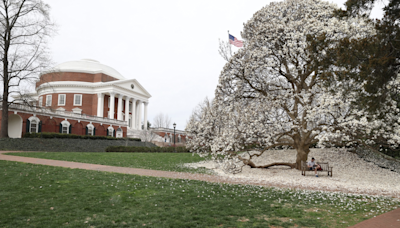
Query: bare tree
{"type": "Point", "coordinates": [24, 33]}
{"type": "Point", "coordinates": [225, 50]}
{"type": "Point", "coordinates": [161, 120]}
{"type": "Point", "coordinates": [147, 136]}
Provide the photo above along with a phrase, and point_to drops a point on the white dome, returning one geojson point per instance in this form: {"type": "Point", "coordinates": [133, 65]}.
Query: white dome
{"type": "Point", "coordinates": [88, 66]}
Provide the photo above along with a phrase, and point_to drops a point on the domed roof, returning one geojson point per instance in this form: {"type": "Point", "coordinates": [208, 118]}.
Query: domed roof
{"type": "Point", "coordinates": [88, 66]}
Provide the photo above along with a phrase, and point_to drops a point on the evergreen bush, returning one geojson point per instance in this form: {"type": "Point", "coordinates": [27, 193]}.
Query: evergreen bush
{"type": "Point", "coordinates": [142, 149]}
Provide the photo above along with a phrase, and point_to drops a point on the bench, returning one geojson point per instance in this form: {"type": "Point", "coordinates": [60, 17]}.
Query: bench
{"type": "Point", "coordinates": [324, 165]}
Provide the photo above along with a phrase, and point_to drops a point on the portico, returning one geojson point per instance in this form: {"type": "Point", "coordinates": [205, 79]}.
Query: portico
{"type": "Point", "coordinates": [133, 110]}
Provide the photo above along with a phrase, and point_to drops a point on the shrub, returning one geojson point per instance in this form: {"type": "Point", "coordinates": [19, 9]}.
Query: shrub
{"type": "Point", "coordinates": [50, 135]}
{"type": "Point", "coordinates": [141, 149]}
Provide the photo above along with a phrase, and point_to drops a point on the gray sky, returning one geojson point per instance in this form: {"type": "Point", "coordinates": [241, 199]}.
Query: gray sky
{"type": "Point", "coordinates": [170, 47]}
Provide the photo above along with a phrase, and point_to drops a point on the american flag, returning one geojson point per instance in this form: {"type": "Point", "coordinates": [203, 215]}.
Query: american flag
{"type": "Point", "coordinates": [235, 42]}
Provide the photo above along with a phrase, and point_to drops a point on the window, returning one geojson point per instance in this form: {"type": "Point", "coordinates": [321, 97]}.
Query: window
{"type": "Point", "coordinates": [90, 131]}
{"type": "Point", "coordinates": [110, 132]}
{"type": "Point", "coordinates": [40, 101]}
{"type": "Point", "coordinates": [48, 100]}
{"type": "Point", "coordinates": [64, 129]}
{"type": "Point", "coordinates": [34, 126]}
{"type": "Point", "coordinates": [130, 107]}
{"type": "Point", "coordinates": [77, 99]}
{"type": "Point", "coordinates": [119, 133]}
{"type": "Point", "coordinates": [61, 99]}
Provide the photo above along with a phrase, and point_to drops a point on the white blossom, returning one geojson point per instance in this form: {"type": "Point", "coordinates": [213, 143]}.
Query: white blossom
{"type": "Point", "coordinates": [271, 95]}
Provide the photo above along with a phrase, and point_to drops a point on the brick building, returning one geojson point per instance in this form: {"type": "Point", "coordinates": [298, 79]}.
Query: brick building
{"type": "Point", "coordinates": [168, 137]}
{"type": "Point", "coordinates": [82, 97]}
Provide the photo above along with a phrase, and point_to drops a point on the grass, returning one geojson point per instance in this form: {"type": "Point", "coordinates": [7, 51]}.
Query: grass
{"type": "Point", "coordinates": [157, 161]}
{"type": "Point", "coordinates": [43, 196]}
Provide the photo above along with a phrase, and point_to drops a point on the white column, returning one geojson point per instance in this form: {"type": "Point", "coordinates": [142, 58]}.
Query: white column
{"type": "Point", "coordinates": [133, 122]}
{"type": "Point", "coordinates": [139, 118]}
{"type": "Point", "coordinates": [100, 104]}
{"type": "Point", "coordinates": [112, 105]}
{"type": "Point", "coordinates": [127, 99]}
{"type": "Point", "coordinates": [119, 110]}
{"type": "Point", "coordinates": [145, 115]}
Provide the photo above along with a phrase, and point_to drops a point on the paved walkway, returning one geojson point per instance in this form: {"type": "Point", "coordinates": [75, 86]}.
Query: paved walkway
{"type": "Point", "coordinates": [387, 220]}
{"type": "Point", "coordinates": [390, 219]}
{"type": "Point", "coordinates": [127, 170]}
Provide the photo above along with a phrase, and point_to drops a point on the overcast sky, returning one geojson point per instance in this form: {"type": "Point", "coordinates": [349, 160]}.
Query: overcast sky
{"type": "Point", "coordinates": [170, 47]}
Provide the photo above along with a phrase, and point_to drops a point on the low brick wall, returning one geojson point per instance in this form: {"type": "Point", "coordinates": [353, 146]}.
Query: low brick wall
{"type": "Point", "coordinates": [64, 145]}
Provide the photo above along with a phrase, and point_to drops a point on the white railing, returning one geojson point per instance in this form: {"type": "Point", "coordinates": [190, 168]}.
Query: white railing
{"type": "Point", "coordinates": [168, 130]}
{"type": "Point", "coordinates": [64, 114]}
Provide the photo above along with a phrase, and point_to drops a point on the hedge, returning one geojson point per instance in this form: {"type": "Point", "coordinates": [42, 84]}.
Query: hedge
{"type": "Point", "coordinates": [48, 135]}
{"type": "Point", "coordinates": [178, 149]}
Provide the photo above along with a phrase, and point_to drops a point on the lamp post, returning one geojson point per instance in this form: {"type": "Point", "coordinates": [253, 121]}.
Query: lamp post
{"type": "Point", "coordinates": [174, 137]}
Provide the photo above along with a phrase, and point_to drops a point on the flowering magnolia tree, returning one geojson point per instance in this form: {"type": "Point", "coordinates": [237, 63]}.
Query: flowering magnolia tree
{"type": "Point", "coordinates": [271, 94]}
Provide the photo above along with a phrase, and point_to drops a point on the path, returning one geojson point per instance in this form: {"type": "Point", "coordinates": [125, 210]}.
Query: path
{"type": "Point", "coordinates": [387, 220]}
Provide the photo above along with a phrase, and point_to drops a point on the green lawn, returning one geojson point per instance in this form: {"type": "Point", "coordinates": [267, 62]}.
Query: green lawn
{"type": "Point", "coordinates": [157, 161]}
{"type": "Point", "coordinates": [44, 196]}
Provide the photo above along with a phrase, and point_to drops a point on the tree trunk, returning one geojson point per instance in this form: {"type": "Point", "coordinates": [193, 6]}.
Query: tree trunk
{"type": "Point", "coordinates": [4, 120]}
{"type": "Point", "coordinates": [4, 104]}
{"type": "Point", "coordinates": [252, 165]}
{"type": "Point", "coordinates": [291, 165]}
{"type": "Point", "coordinates": [302, 155]}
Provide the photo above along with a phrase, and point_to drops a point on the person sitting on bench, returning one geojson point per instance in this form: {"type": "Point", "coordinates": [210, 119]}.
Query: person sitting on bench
{"type": "Point", "coordinates": [313, 166]}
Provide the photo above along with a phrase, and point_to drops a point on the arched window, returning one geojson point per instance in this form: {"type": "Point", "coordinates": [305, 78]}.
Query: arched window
{"type": "Point", "coordinates": [90, 129]}
{"type": "Point", "coordinates": [110, 131]}
{"type": "Point", "coordinates": [120, 133]}
{"type": "Point", "coordinates": [34, 125]}
{"type": "Point", "coordinates": [65, 127]}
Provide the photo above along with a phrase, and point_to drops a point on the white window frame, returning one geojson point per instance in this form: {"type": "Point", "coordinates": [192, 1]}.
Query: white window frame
{"type": "Point", "coordinates": [40, 101]}
{"type": "Point", "coordinates": [66, 124]}
{"type": "Point", "coordinates": [49, 100]}
{"type": "Point", "coordinates": [75, 96]}
{"type": "Point", "coordinates": [37, 120]}
{"type": "Point", "coordinates": [59, 98]}
{"type": "Point", "coordinates": [119, 133]}
{"type": "Point", "coordinates": [90, 129]}
{"type": "Point", "coordinates": [110, 131]}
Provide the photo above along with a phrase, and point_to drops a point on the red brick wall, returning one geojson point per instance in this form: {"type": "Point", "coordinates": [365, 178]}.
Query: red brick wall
{"type": "Point", "coordinates": [53, 125]}
{"type": "Point", "coordinates": [89, 102]}
{"type": "Point", "coordinates": [74, 76]}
